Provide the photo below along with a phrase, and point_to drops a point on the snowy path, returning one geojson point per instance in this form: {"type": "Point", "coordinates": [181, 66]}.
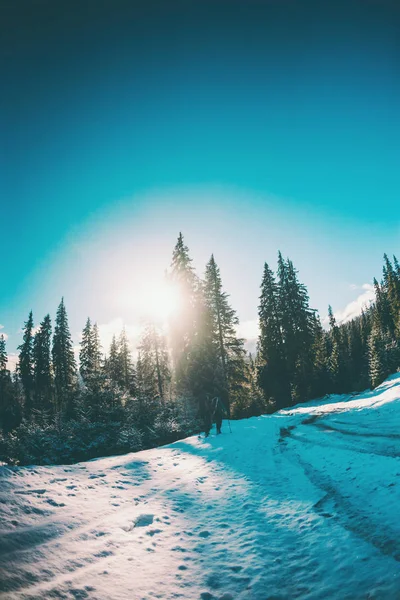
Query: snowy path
{"type": "Point", "coordinates": [301, 504]}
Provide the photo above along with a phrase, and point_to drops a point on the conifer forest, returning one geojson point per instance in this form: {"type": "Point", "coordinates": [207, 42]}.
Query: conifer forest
{"type": "Point", "coordinates": [57, 409]}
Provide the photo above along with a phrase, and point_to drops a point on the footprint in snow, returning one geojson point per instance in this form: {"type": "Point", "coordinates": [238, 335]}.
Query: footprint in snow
{"type": "Point", "coordinates": [204, 534]}
{"type": "Point", "coordinates": [141, 521]}
{"type": "Point", "coordinates": [54, 503]}
{"type": "Point", "coordinates": [152, 532]}
{"type": "Point", "coordinates": [201, 479]}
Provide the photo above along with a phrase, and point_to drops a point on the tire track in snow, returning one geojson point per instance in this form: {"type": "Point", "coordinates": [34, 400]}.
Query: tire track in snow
{"type": "Point", "coordinates": [351, 517]}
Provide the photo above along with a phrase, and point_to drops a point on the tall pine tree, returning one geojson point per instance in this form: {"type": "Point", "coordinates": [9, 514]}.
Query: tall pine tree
{"type": "Point", "coordinates": [126, 370]}
{"type": "Point", "coordinates": [230, 348]}
{"type": "Point", "coordinates": [10, 408]}
{"type": "Point", "coordinates": [184, 325]}
{"type": "Point", "coordinates": [25, 365]}
{"type": "Point", "coordinates": [64, 363]}
{"type": "Point", "coordinates": [43, 375]}
{"type": "Point", "coordinates": [272, 369]}
{"type": "Point", "coordinates": [86, 353]}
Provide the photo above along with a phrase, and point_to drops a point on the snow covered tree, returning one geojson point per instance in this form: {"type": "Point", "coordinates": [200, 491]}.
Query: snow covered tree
{"type": "Point", "coordinates": [64, 364]}
{"type": "Point", "coordinates": [25, 364]}
{"type": "Point", "coordinates": [43, 375]}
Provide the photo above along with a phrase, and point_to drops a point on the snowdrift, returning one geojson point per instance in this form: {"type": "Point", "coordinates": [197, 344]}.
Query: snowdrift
{"type": "Point", "coordinates": [300, 504]}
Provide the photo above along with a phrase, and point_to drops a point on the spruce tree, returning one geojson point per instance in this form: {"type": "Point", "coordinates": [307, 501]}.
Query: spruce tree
{"type": "Point", "coordinates": [185, 325]}
{"type": "Point", "coordinates": [272, 369]}
{"type": "Point", "coordinates": [10, 408]}
{"type": "Point", "coordinates": [64, 363]}
{"type": "Point", "coordinates": [86, 353]}
{"type": "Point", "coordinates": [25, 365]}
{"type": "Point", "coordinates": [113, 363]}
{"type": "Point", "coordinates": [303, 328]}
{"type": "Point", "coordinates": [257, 405]}
{"type": "Point", "coordinates": [223, 322]}
{"type": "Point", "coordinates": [43, 375]}
{"type": "Point", "coordinates": [153, 373]}
{"type": "Point", "coordinates": [382, 310]}
{"type": "Point", "coordinates": [335, 364]}
{"type": "Point", "coordinates": [321, 379]}
{"type": "Point", "coordinates": [204, 370]}
{"type": "Point", "coordinates": [126, 370]}
{"type": "Point", "coordinates": [378, 364]}
{"type": "Point", "coordinates": [97, 351]}
{"type": "Point", "coordinates": [297, 322]}
{"type": "Point", "coordinates": [3, 356]}
{"type": "Point", "coordinates": [358, 354]}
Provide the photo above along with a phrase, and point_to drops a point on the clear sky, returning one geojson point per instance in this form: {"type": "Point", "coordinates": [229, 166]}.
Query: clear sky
{"type": "Point", "coordinates": [250, 126]}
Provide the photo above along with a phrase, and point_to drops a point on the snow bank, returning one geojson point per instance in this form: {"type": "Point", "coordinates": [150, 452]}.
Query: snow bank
{"type": "Point", "coordinates": [300, 504]}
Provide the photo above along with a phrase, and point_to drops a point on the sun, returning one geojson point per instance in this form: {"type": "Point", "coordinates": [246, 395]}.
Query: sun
{"type": "Point", "coordinates": [159, 302]}
{"type": "Point", "coordinates": [153, 300]}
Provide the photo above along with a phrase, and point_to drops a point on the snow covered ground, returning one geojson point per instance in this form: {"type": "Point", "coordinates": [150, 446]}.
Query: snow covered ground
{"type": "Point", "coordinates": [300, 504]}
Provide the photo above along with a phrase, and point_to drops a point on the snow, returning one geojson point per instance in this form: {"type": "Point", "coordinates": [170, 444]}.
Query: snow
{"type": "Point", "coordinates": [300, 504]}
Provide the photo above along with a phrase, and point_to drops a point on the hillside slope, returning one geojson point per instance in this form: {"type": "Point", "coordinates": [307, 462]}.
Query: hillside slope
{"type": "Point", "coordinates": [300, 504]}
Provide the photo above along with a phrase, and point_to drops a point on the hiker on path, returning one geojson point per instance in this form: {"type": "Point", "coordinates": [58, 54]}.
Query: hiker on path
{"type": "Point", "coordinates": [219, 411]}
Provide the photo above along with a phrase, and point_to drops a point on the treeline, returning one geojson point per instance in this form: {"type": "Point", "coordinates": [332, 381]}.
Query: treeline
{"type": "Point", "coordinates": [53, 410]}
{"type": "Point", "coordinates": [298, 360]}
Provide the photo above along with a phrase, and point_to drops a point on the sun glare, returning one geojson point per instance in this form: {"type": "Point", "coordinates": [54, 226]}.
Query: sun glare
{"type": "Point", "coordinates": [155, 301]}
{"type": "Point", "coordinates": [160, 302]}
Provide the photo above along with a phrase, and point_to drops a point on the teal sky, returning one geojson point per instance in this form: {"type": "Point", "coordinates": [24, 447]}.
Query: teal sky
{"type": "Point", "coordinates": [249, 126]}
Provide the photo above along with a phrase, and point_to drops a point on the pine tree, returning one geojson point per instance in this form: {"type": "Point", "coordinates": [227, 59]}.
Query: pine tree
{"type": "Point", "coordinates": [382, 310]}
{"type": "Point", "coordinates": [254, 403]}
{"type": "Point", "coordinates": [113, 364]}
{"type": "Point", "coordinates": [10, 408]}
{"type": "Point", "coordinates": [378, 366]}
{"type": "Point", "coordinates": [204, 370]}
{"type": "Point", "coordinates": [86, 353]}
{"type": "Point", "coordinates": [335, 364]}
{"type": "Point", "coordinates": [126, 371]}
{"type": "Point", "coordinates": [26, 364]}
{"type": "Point", "coordinates": [321, 379]}
{"type": "Point", "coordinates": [223, 323]}
{"type": "Point", "coordinates": [43, 376]}
{"type": "Point", "coordinates": [303, 327]}
{"type": "Point", "coordinates": [272, 369]}
{"type": "Point", "coordinates": [64, 363]}
{"type": "Point", "coordinates": [97, 352]}
{"type": "Point", "coordinates": [3, 356]}
{"type": "Point", "coordinates": [184, 326]}
{"type": "Point", "coordinates": [153, 373]}
{"type": "Point", "coordinates": [297, 322]}
{"type": "Point", "coordinates": [396, 267]}
{"type": "Point", "coordinates": [358, 354]}
{"type": "Point", "coordinates": [391, 287]}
